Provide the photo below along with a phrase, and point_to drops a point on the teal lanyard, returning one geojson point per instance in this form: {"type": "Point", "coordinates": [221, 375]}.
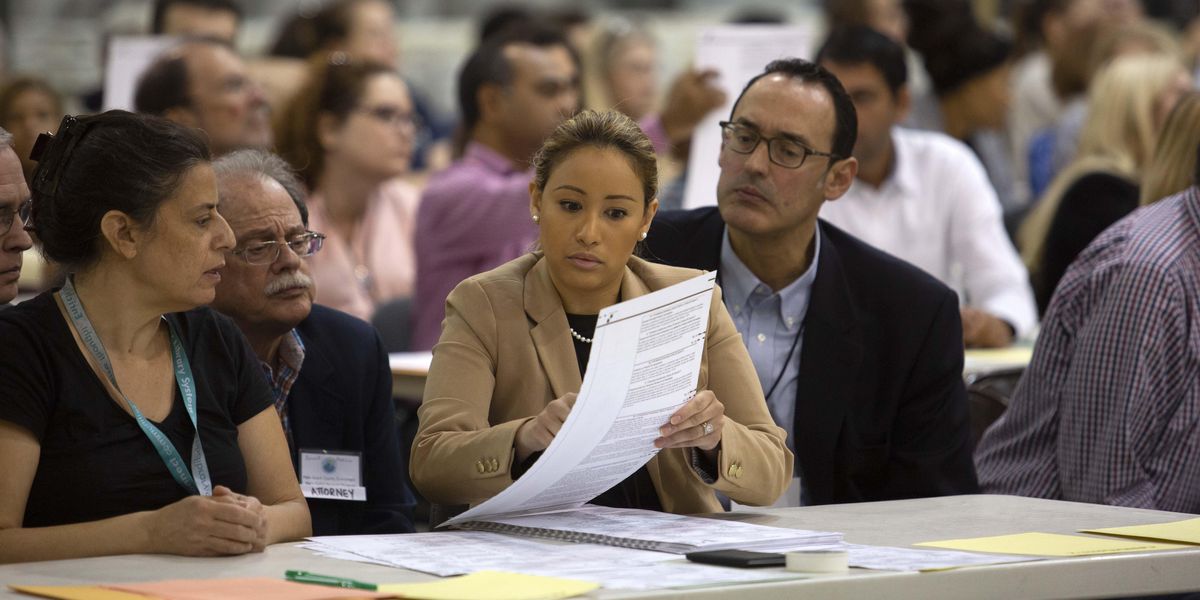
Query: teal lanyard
{"type": "Point", "coordinates": [195, 481]}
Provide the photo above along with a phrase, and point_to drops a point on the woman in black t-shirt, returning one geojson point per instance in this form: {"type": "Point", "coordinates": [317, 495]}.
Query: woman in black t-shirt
{"type": "Point", "coordinates": [130, 420]}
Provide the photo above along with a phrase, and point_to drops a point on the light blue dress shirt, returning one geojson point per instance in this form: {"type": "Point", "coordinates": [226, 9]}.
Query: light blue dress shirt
{"type": "Point", "coordinates": [772, 327]}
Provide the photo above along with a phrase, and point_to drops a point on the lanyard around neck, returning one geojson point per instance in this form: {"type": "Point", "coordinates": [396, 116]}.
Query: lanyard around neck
{"type": "Point", "coordinates": [197, 480]}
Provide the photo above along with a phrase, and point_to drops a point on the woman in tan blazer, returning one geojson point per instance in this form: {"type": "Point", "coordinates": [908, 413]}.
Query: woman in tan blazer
{"type": "Point", "coordinates": [516, 339]}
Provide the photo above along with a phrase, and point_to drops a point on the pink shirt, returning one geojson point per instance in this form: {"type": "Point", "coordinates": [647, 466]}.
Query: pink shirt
{"type": "Point", "coordinates": [357, 275]}
{"type": "Point", "coordinates": [474, 216]}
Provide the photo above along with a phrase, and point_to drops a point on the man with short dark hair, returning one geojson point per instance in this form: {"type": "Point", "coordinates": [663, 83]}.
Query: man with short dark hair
{"type": "Point", "coordinates": [328, 371]}
{"type": "Point", "coordinates": [216, 19]}
{"type": "Point", "coordinates": [923, 196]}
{"type": "Point", "coordinates": [1109, 409]}
{"type": "Point", "coordinates": [203, 83]}
{"type": "Point", "coordinates": [859, 353]}
{"type": "Point", "coordinates": [14, 215]}
{"type": "Point", "coordinates": [513, 91]}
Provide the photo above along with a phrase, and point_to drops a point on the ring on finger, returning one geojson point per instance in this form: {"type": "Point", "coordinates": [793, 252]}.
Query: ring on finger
{"type": "Point", "coordinates": [706, 427]}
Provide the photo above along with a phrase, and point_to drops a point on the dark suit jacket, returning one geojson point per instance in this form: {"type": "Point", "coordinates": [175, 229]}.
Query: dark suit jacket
{"type": "Point", "coordinates": [881, 410]}
{"type": "Point", "coordinates": [342, 400]}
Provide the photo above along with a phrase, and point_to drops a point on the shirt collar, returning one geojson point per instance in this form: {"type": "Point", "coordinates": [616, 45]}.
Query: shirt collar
{"type": "Point", "coordinates": [738, 283]}
{"type": "Point", "coordinates": [903, 179]}
{"type": "Point", "coordinates": [488, 158]}
{"type": "Point", "coordinates": [904, 174]}
{"type": "Point", "coordinates": [291, 355]}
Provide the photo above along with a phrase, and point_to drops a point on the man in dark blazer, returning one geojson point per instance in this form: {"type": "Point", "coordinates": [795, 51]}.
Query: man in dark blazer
{"type": "Point", "coordinates": [328, 370]}
{"type": "Point", "coordinates": [872, 385]}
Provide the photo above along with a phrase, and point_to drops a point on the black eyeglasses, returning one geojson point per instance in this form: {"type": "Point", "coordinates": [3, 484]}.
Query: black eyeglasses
{"type": "Point", "coordinates": [393, 116]}
{"type": "Point", "coordinates": [8, 216]}
{"type": "Point", "coordinates": [265, 253]}
{"type": "Point", "coordinates": [785, 152]}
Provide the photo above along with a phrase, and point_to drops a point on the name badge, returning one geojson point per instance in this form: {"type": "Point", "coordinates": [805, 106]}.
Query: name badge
{"type": "Point", "coordinates": [332, 475]}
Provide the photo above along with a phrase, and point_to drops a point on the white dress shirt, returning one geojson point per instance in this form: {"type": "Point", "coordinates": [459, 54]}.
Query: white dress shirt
{"type": "Point", "coordinates": [937, 211]}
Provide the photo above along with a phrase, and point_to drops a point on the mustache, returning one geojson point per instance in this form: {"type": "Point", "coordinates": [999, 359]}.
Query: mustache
{"type": "Point", "coordinates": [287, 281]}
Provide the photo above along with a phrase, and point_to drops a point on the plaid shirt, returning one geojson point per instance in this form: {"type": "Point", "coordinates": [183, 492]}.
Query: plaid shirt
{"type": "Point", "coordinates": [1109, 409]}
{"type": "Point", "coordinates": [291, 356]}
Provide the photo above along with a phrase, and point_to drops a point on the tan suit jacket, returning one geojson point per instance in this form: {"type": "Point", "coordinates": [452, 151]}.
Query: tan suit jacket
{"type": "Point", "coordinates": [506, 352]}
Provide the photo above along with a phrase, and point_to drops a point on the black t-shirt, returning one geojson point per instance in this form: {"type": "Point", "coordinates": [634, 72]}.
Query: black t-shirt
{"type": "Point", "coordinates": [95, 461]}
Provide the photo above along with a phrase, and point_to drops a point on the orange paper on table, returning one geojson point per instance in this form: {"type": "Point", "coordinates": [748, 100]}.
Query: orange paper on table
{"type": "Point", "coordinates": [75, 592]}
{"type": "Point", "coordinates": [251, 588]}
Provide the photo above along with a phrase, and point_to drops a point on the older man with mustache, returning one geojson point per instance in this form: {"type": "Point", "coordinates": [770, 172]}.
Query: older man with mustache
{"type": "Point", "coordinates": [327, 370]}
{"type": "Point", "coordinates": [14, 212]}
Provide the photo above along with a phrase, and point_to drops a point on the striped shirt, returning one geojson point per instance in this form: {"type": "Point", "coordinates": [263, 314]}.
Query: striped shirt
{"type": "Point", "coordinates": [1109, 409]}
{"type": "Point", "coordinates": [281, 378]}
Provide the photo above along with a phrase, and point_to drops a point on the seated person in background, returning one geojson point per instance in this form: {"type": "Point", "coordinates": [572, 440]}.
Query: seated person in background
{"type": "Point", "coordinates": [14, 215]}
{"type": "Point", "coordinates": [923, 196]}
{"type": "Point", "coordinates": [1108, 410]}
{"type": "Point", "coordinates": [968, 65]}
{"type": "Point", "coordinates": [202, 83]}
{"type": "Point", "coordinates": [327, 371]}
{"type": "Point", "coordinates": [28, 107]}
{"type": "Point", "coordinates": [99, 453]}
{"type": "Point", "coordinates": [365, 30]}
{"type": "Point", "coordinates": [216, 19]}
{"type": "Point", "coordinates": [1128, 102]}
{"type": "Point", "coordinates": [513, 91]}
{"type": "Point", "coordinates": [516, 341]}
{"type": "Point", "coordinates": [350, 134]}
{"type": "Point", "coordinates": [860, 353]}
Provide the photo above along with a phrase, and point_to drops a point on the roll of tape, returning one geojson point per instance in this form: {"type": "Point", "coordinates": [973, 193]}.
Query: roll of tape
{"type": "Point", "coordinates": [819, 561]}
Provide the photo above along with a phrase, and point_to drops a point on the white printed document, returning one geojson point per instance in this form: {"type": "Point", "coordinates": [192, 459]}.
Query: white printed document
{"type": "Point", "coordinates": [644, 365]}
{"type": "Point", "coordinates": [737, 53]}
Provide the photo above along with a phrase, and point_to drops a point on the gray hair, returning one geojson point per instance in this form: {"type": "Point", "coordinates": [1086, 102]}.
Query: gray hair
{"type": "Point", "coordinates": [251, 162]}
{"type": "Point", "coordinates": [6, 138]}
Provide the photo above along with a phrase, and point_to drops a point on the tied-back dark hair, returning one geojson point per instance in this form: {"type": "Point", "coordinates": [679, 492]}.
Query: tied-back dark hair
{"type": "Point", "coordinates": [334, 87]}
{"type": "Point", "coordinates": [856, 45]}
{"type": "Point", "coordinates": [115, 160]}
{"type": "Point", "coordinates": [609, 129]}
{"type": "Point", "coordinates": [845, 127]}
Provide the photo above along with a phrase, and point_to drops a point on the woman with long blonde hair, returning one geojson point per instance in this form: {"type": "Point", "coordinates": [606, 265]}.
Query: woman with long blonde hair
{"type": "Point", "coordinates": [1128, 102]}
{"type": "Point", "coordinates": [1174, 164]}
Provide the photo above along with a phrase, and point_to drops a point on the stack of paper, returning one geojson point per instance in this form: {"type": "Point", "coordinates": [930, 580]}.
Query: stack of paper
{"type": "Point", "coordinates": [1186, 531]}
{"type": "Point", "coordinates": [457, 552]}
{"type": "Point", "coordinates": [652, 530]}
{"type": "Point", "coordinates": [1050, 544]}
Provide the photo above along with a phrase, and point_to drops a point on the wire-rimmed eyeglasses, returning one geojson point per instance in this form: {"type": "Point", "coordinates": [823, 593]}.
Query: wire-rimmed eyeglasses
{"type": "Point", "coordinates": [8, 216]}
{"type": "Point", "coordinates": [783, 151]}
{"type": "Point", "coordinates": [265, 253]}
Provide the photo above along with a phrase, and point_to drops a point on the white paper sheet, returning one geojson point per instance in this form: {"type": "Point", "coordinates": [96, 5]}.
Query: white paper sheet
{"type": "Point", "coordinates": [456, 553]}
{"type": "Point", "coordinates": [644, 365]}
{"type": "Point", "coordinates": [738, 53]}
{"type": "Point", "coordinates": [447, 553]}
{"type": "Point", "coordinates": [128, 57]}
{"type": "Point", "coordinates": [671, 533]}
{"type": "Point", "coordinates": [891, 558]}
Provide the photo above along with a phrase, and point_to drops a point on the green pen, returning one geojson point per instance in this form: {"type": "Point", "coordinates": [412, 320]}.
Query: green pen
{"type": "Point", "coordinates": [342, 582]}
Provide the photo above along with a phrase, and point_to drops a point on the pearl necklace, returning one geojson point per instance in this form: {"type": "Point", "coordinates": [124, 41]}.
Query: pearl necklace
{"type": "Point", "coordinates": [576, 335]}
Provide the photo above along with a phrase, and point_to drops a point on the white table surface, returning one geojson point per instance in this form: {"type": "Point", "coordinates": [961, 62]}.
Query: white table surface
{"type": "Point", "coordinates": [897, 523]}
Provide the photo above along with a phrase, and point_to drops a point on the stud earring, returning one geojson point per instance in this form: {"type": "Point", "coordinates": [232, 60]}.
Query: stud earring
{"type": "Point", "coordinates": [536, 218]}
{"type": "Point", "coordinates": [643, 237]}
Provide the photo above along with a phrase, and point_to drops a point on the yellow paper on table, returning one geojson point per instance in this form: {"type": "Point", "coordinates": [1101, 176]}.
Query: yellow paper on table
{"type": "Point", "coordinates": [75, 592]}
{"type": "Point", "coordinates": [1187, 531]}
{"type": "Point", "coordinates": [1049, 544]}
{"type": "Point", "coordinates": [492, 585]}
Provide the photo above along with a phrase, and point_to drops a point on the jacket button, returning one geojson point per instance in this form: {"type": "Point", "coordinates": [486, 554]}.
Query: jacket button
{"type": "Point", "coordinates": [479, 466]}
{"type": "Point", "coordinates": [740, 468]}
{"type": "Point", "coordinates": [732, 472]}
{"type": "Point", "coordinates": [495, 464]}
